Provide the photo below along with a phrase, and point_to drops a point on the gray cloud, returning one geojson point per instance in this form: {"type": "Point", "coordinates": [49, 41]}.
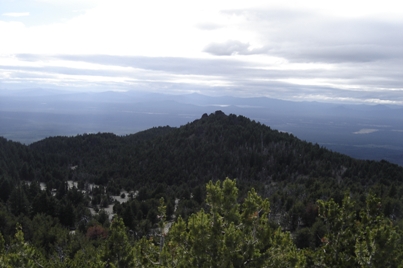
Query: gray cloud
{"type": "Point", "coordinates": [303, 36]}
{"type": "Point", "coordinates": [230, 69]}
{"type": "Point", "coordinates": [231, 47]}
{"type": "Point", "coordinates": [336, 54]}
{"type": "Point", "coordinates": [175, 65]}
{"type": "Point", "coordinates": [317, 57]}
{"type": "Point", "coordinates": [364, 58]}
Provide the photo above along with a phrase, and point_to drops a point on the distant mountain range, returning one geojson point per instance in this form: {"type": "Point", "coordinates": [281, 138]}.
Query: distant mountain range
{"type": "Point", "coordinates": [362, 131]}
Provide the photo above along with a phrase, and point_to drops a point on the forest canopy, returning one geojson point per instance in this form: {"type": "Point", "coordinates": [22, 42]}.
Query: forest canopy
{"type": "Point", "coordinates": [227, 234]}
{"type": "Point", "coordinates": [97, 199]}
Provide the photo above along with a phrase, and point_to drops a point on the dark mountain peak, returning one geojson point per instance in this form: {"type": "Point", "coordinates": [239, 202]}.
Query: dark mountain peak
{"type": "Point", "coordinates": [216, 114]}
{"type": "Point", "coordinates": [219, 113]}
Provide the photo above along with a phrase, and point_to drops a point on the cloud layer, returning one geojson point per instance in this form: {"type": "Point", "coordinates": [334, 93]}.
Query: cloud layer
{"type": "Point", "coordinates": [337, 53]}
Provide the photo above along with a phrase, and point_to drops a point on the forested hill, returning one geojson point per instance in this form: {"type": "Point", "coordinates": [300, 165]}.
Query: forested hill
{"type": "Point", "coordinates": [211, 148]}
{"type": "Point", "coordinates": [175, 164]}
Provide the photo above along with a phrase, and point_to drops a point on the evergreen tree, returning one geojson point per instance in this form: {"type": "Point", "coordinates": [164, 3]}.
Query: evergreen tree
{"type": "Point", "coordinates": [19, 253]}
{"type": "Point", "coordinates": [18, 202]}
{"type": "Point", "coordinates": [229, 235]}
{"type": "Point", "coordinates": [118, 251]}
{"type": "Point", "coordinates": [5, 188]}
{"type": "Point", "coordinates": [364, 239]}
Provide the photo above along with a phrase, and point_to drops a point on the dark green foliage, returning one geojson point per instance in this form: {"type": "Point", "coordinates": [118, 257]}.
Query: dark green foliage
{"type": "Point", "coordinates": [43, 203]}
{"type": "Point", "coordinates": [214, 146]}
{"type": "Point", "coordinates": [175, 164]}
{"type": "Point", "coordinates": [5, 188]}
{"type": "Point", "coordinates": [18, 201]}
{"type": "Point", "coordinates": [66, 214]}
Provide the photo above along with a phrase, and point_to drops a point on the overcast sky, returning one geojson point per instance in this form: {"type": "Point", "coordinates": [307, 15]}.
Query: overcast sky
{"type": "Point", "coordinates": [343, 51]}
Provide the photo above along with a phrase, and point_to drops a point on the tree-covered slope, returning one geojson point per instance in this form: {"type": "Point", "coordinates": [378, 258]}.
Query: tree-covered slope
{"type": "Point", "coordinates": [175, 164]}
{"type": "Point", "coordinates": [214, 146]}
{"type": "Point", "coordinates": [291, 172]}
{"type": "Point", "coordinates": [211, 148]}
{"type": "Point", "coordinates": [228, 233]}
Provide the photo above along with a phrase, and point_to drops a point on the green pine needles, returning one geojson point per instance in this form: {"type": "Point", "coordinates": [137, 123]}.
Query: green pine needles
{"type": "Point", "coordinates": [229, 233]}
